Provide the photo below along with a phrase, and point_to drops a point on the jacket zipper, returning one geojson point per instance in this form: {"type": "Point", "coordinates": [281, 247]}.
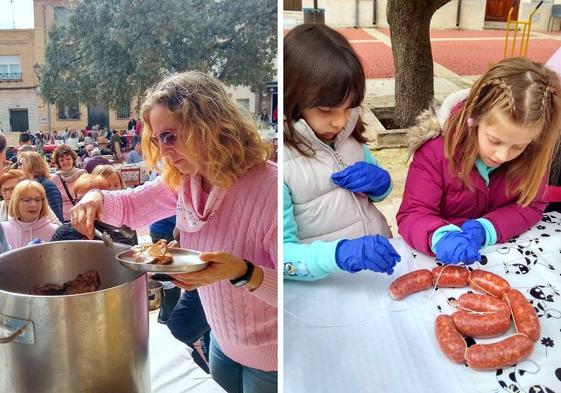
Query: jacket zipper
{"type": "Point", "coordinates": [342, 165]}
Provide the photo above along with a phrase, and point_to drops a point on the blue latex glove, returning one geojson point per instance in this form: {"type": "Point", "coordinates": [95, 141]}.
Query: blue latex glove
{"type": "Point", "coordinates": [366, 253]}
{"type": "Point", "coordinates": [476, 230]}
{"type": "Point", "coordinates": [455, 247]}
{"type": "Point", "coordinates": [363, 177]}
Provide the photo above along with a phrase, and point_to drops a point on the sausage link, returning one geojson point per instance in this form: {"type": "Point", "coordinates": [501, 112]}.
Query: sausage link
{"type": "Point", "coordinates": [411, 282]}
{"type": "Point", "coordinates": [525, 317]}
{"type": "Point", "coordinates": [451, 277]}
{"type": "Point", "coordinates": [483, 303]}
{"type": "Point", "coordinates": [449, 340]}
{"type": "Point", "coordinates": [501, 354]}
{"type": "Point", "coordinates": [488, 282]}
{"type": "Point", "coordinates": [481, 326]}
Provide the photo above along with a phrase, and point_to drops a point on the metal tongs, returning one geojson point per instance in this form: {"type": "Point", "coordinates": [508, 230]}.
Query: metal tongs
{"type": "Point", "coordinates": [105, 231]}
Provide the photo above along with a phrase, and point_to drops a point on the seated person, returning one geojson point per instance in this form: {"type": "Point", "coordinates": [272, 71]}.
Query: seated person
{"type": "Point", "coordinates": [81, 186]}
{"type": "Point", "coordinates": [135, 155]}
{"type": "Point", "coordinates": [96, 159]}
{"type": "Point", "coordinates": [112, 175]}
{"type": "Point", "coordinates": [8, 182]}
{"type": "Point", "coordinates": [115, 146]}
{"type": "Point", "coordinates": [481, 163]}
{"type": "Point", "coordinates": [21, 149]}
{"type": "Point", "coordinates": [27, 216]}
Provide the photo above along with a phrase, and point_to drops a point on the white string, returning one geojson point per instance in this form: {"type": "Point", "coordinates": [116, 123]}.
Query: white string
{"type": "Point", "coordinates": [429, 298]}
{"type": "Point", "coordinates": [508, 247]}
{"type": "Point", "coordinates": [458, 306]}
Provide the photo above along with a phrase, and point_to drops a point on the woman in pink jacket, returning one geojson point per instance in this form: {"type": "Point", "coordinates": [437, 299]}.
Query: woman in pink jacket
{"type": "Point", "coordinates": [480, 165]}
{"type": "Point", "coordinates": [217, 180]}
{"type": "Point", "coordinates": [27, 216]}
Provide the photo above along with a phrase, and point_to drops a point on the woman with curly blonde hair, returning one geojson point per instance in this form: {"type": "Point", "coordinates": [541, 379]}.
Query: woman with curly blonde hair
{"type": "Point", "coordinates": [217, 180]}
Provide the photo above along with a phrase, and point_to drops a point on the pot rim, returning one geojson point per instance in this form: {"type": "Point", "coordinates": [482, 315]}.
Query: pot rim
{"type": "Point", "coordinates": [141, 275]}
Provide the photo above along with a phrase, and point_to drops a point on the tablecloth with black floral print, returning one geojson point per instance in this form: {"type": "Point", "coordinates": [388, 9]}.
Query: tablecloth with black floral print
{"type": "Point", "coordinates": [531, 263]}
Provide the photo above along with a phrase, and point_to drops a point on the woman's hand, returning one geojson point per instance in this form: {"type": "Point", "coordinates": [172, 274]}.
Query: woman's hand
{"type": "Point", "coordinates": [222, 266]}
{"type": "Point", "coordinates": [82, 215]}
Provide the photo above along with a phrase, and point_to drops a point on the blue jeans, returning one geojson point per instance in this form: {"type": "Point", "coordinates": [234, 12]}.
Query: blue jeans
{"type": "Point", "coordinates": [171, 295]}
{"type": "Point", "coordinates": [188, 323]}
{"type": "Point", "coordinates": [236, 378]}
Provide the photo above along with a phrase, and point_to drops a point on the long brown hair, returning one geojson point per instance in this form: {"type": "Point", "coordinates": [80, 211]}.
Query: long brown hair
{"type": "Point", "coordinates": [221, 140]}
{"type": "Point", "coordinates": [527, 93]}
{"type": "Point", "coordinates": [320, 69]}
{"type": "Point", "coordinates": [39, 166]}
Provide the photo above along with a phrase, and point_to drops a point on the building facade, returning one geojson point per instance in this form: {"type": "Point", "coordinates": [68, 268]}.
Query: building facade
{"type": "Point", "coordinates": [463, 14]}
{"type": "Point", "coordinates": [22, 51]}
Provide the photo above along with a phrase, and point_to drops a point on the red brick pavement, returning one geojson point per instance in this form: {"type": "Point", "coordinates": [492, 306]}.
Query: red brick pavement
{"type": "Point", "coordinates": [377, 59]}
{"type": "Point", "coordinates": [464, 57]}
{"type": "Point", "coordinates": [355, 34]}
{"type": "Point", "coordinates": [474, 57]}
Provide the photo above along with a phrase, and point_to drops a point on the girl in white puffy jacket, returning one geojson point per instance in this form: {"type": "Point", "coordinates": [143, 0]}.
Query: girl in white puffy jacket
{"type": "Point", "coordinates": [330, 176]}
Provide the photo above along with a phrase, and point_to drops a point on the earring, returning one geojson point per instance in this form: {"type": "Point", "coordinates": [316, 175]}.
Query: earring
{"type": "Point", "coordinates": [470, 122]}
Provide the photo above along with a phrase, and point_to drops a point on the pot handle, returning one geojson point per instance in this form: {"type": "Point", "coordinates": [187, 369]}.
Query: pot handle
{"type": "Point", "coordinates": [12, 336]}
{"type": "Point", "coordinates": [16, 330]}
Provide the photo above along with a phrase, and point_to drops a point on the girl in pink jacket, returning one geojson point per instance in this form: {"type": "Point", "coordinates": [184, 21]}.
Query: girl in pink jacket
{"type": "Point", "coordinates": [481, 163]}
{"type": "Point", "coordinates": [217, 180]}
{"type": "Point", "coordinates": [27, 216]}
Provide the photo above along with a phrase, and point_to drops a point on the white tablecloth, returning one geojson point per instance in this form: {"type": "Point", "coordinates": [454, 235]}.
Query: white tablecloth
{"type": "Point", "coordinates": [172, 369]}
{"type": "Point", "coordinates": [345, 334]}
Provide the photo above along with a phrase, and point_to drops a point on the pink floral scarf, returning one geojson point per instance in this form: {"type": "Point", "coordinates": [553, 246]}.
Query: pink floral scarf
{"type": "Point", "coordinates": [195, 207]}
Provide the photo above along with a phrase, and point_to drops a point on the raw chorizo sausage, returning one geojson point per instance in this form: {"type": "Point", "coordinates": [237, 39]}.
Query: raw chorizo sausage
{"type": "Point", "coordinates": [525, 317]}
{"type": "Point", "coordinates": [451, 277]}
{"type": "Point", "coordinates": [488, 282]}
{"type": "Point", "coordinates": [409, 283]}
{"type": "Point", "coordinates": [501, 354]}
{"type": "Point", "coordinates": [481, 326]}
{"type": "Point", "coordinates": [482, 303]}
{"type": "Point", "coordinates": [450, 341]}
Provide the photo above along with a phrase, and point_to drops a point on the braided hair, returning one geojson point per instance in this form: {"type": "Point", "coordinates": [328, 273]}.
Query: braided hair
{"type": "Point", "coordinates": [526, 92]}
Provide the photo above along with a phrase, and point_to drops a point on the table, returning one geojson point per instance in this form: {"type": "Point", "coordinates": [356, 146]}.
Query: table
{"type": "Point", "coordinates": [345, 334]}
{"type": "Point", "coordinates": [172, 369]}
{"type": "Point", "coordinates": [133, 174]}
{"type": "Point", "coordinates": [47, 149]}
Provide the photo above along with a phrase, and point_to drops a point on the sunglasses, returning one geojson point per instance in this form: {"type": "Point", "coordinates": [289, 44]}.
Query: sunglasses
{"type": "Point", "coordinates": [168, 138]}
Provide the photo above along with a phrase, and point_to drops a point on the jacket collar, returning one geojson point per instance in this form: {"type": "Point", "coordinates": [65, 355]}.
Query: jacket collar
{"type": "Point", "coordinates": [430, 123]}
{"type": "Point", "coordinates": [306, 132]}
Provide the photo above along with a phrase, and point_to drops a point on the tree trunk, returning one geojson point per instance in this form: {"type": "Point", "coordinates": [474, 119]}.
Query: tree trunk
{"type": "Point", "coordinates": [409, 22]}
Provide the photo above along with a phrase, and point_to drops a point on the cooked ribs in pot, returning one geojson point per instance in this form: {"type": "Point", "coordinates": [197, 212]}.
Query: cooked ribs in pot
{"type": "Point", "coordinates": [83, 283]}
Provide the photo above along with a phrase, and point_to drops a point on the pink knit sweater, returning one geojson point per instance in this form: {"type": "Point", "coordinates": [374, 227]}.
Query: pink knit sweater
{"type": "Point", "coordinates": [244, 323]}
{"type": "Point", "coordinates": [19, 234]}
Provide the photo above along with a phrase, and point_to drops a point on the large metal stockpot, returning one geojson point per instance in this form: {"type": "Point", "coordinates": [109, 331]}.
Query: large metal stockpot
{"type": "Point", "coordinates": [89, 343]}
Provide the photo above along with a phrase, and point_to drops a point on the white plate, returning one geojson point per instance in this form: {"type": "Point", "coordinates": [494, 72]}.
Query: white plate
{"type": "Point", "coordinates": [184, 261]}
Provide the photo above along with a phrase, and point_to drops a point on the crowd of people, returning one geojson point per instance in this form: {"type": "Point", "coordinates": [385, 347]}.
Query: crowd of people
{"type": "Point", "coordinates": [108, 142]}
{"type": "Point", "coordinates": [57, 178]}
{"type": "Point", "coordinates": [207, 156]}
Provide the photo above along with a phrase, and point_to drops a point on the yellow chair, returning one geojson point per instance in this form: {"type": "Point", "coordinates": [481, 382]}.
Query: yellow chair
{"type": "Point", "coordinates": [525, 26]}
